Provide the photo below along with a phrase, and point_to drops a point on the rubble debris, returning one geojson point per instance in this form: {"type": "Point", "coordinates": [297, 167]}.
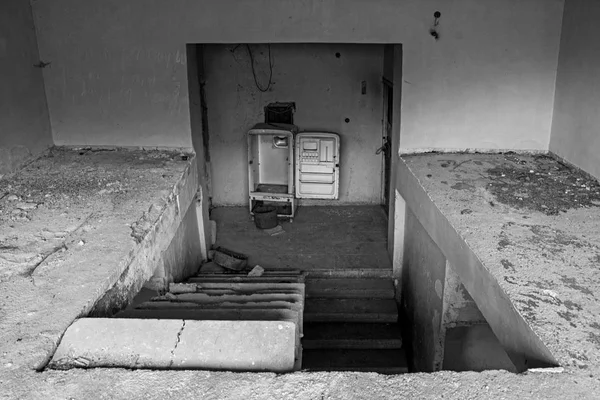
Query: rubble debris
{"type": "Point", "coordinates": [180, 288]}
{"type": "Point", "coordinates": [212, 268]}
{"type": "Point", "coordinates": [256, 271]}
{"type": "Point", "coordinates": [275, 231]}
{"type": "Point", "coordinates": [542, 184]}
{"type": "Point", "coordinates": [230, 259]}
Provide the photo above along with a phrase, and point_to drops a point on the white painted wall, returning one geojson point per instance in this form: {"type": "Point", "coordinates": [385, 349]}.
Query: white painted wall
{"type": "Point", "coordinates": [576, 124]}
{"type": "Point", "coordinates": [118, 75]}
{"type": "Point", "coordinates": [326, 90]}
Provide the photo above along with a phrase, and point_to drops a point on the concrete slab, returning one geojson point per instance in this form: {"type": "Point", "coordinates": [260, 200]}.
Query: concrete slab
{"type": "Point", "coordinates": [248, 279]}
{"type": "Point", "coordinates": [200, 314]}
{"type": "Point", "coordinates": [530, 267]}
{"type": "Point", "coordinates": [180, 344]}
{"type": "Point", "coordinates": [127, 343]}
{"type": "Point", "coordinates": [102, 218]}
{"type": "Point", "coordinates": [237, 346]}
{"type": "Point", "coordinates": [239, 287]}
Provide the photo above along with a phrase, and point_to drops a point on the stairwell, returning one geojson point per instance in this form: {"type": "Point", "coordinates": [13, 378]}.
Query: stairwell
{"type": "Point", "coordinates": [351, 324]}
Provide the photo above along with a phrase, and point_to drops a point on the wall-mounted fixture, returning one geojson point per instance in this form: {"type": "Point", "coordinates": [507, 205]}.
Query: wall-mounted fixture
{"type": "Point", "coordinates": [434, 28]}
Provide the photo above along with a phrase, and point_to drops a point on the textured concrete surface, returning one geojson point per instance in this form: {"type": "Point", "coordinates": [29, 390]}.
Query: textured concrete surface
{"type": "Point", "coordinates": [424, 271]}
{"type": "Point", "coordinates": [185, 344]}
{"type": "Point", "coordinates": [346, 237]}
{"type": "Point", "coordinates": [326, 90]}
{"type": "Point", "coordinates": [534, 276]}
{"type": "Point", "coordinates": [474, 348]}
{"type": "Point", "coordinates": [576, 118]}
{"type": "Point", "coordinates": [113, 342]}
{"type": "Point", "coordinates": [128, 86]}
{"type": "Point", "coordinates": [72, 225]}
{"type": "Point", "coordinates": [24, 122]}
{"type": "Point", "coordinates": [18, 380]}
{"type": "Point", "coordinates": [237, 345]}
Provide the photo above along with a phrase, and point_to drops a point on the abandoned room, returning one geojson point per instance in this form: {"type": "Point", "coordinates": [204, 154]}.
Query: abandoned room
{"type": "Point", "coordinates": [299, 199]}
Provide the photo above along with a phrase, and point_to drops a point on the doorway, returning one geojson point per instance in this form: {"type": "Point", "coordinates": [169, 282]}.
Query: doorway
{"type": "Point", "coordinates": [386, 141]}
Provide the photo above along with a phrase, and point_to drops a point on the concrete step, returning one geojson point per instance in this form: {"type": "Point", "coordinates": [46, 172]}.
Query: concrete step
{"type": "Point", "coordinates": [283, 314]}
{"type": "Point", "coordinates": [215, 288]}
{"type": "Point", "coordinates": [325, 335]}
{"type": "Point", "coordinates": [247, 279]}
{"type": "Point", "coordinates": [350, 310]}
{"type": "Point", "coordinates": [379, 288]}
{"type": "Point", "coordinates": [266, 272]}
{"type": "Point", "coordinates": [388, 361]}
{"type": "Point", "coordinates": [349, 273]}
{"type": "Point", "coordinates": [291, 295]}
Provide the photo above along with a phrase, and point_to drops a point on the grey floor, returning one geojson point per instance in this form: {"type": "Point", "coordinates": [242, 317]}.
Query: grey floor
{"type": "Point", "coordinates": [342, 237]}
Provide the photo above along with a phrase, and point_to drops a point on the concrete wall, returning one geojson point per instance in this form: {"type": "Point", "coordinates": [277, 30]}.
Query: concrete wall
{"type": "Point", "coordinates": [326, 90]}
{"type": "Point", "coordinates": [24, 123]}
{"type": "Point", "coordinates": [118, 68]}
{"type": "Point", "coordinates": [475, 348]}
{"type": "Point", "coordinates": [170, 249]}
{"type": "Point", "coordinates": [183, 257]}
{"type": "Point", "coordinates": [199, 143]}
{"type": "Point", "coordinates": [576, 119]}
{"type": "Point", "coordinates": [424, 275]}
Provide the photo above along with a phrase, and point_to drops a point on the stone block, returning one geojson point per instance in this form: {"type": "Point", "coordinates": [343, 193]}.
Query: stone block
{"type": "Point", "coordinates": [237, 346]}
{"type": "Point", "coordinates": [179, 344]}
{"type": "Point", "coordinates": [112, 342]}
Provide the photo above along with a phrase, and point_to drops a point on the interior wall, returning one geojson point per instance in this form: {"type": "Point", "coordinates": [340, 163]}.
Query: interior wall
{"type": "Point", "coordinates": [24, 123]}
{"type": "Point", "coordinates": [326, 89]}
{"type": "Point", "coordinates": [118, 69]}
{"type": "Point", "coordinates": [576, 119]}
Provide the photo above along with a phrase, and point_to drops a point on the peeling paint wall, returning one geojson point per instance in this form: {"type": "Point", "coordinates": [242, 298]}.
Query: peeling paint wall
{"type": "Point", "coordinates": [326, 89]}
{"type": "Point", "coordinates": [24, 123]}
{"type": "Point", "coordinates": [576, 119]}
{"type": "Point", "coordinates": [117, 74]}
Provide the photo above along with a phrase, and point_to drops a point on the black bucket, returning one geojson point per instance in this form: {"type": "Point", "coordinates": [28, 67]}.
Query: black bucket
{"type": "Point", "coordinates": [265, 217]}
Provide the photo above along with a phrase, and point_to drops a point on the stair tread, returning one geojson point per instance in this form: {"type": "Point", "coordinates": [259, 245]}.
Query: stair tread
{"type": "Point", "coordinates": [350, 287]}
{"type": "Point", "coordinates": [203, 314]}
{"type": "Point", "coordinates": [345, 306]}
{"type": "Point", "coordinates": [354, 360]}
{"type": "Point", "coordinates": [349, 273]}
{"type": "Point", "coordinates": [351, 331]}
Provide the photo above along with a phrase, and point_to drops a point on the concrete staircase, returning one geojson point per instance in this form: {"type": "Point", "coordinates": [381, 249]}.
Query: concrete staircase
{"type": "Point", "coordinates": [236, 298]}
{"type": "Point", "coordinates": [351, 324]}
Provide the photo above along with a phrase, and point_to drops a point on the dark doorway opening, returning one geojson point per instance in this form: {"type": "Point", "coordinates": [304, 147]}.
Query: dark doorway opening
{"type": "Point", "coordinates": [386, 147]}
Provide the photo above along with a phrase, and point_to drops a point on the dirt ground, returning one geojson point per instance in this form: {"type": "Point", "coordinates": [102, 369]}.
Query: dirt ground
{"type": "Point", "coordinates": [163, 385]}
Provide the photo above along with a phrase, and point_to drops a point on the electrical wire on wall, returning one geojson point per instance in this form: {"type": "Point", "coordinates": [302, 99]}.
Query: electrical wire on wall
{"type": "Point", "coordinates": [258, 86]}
